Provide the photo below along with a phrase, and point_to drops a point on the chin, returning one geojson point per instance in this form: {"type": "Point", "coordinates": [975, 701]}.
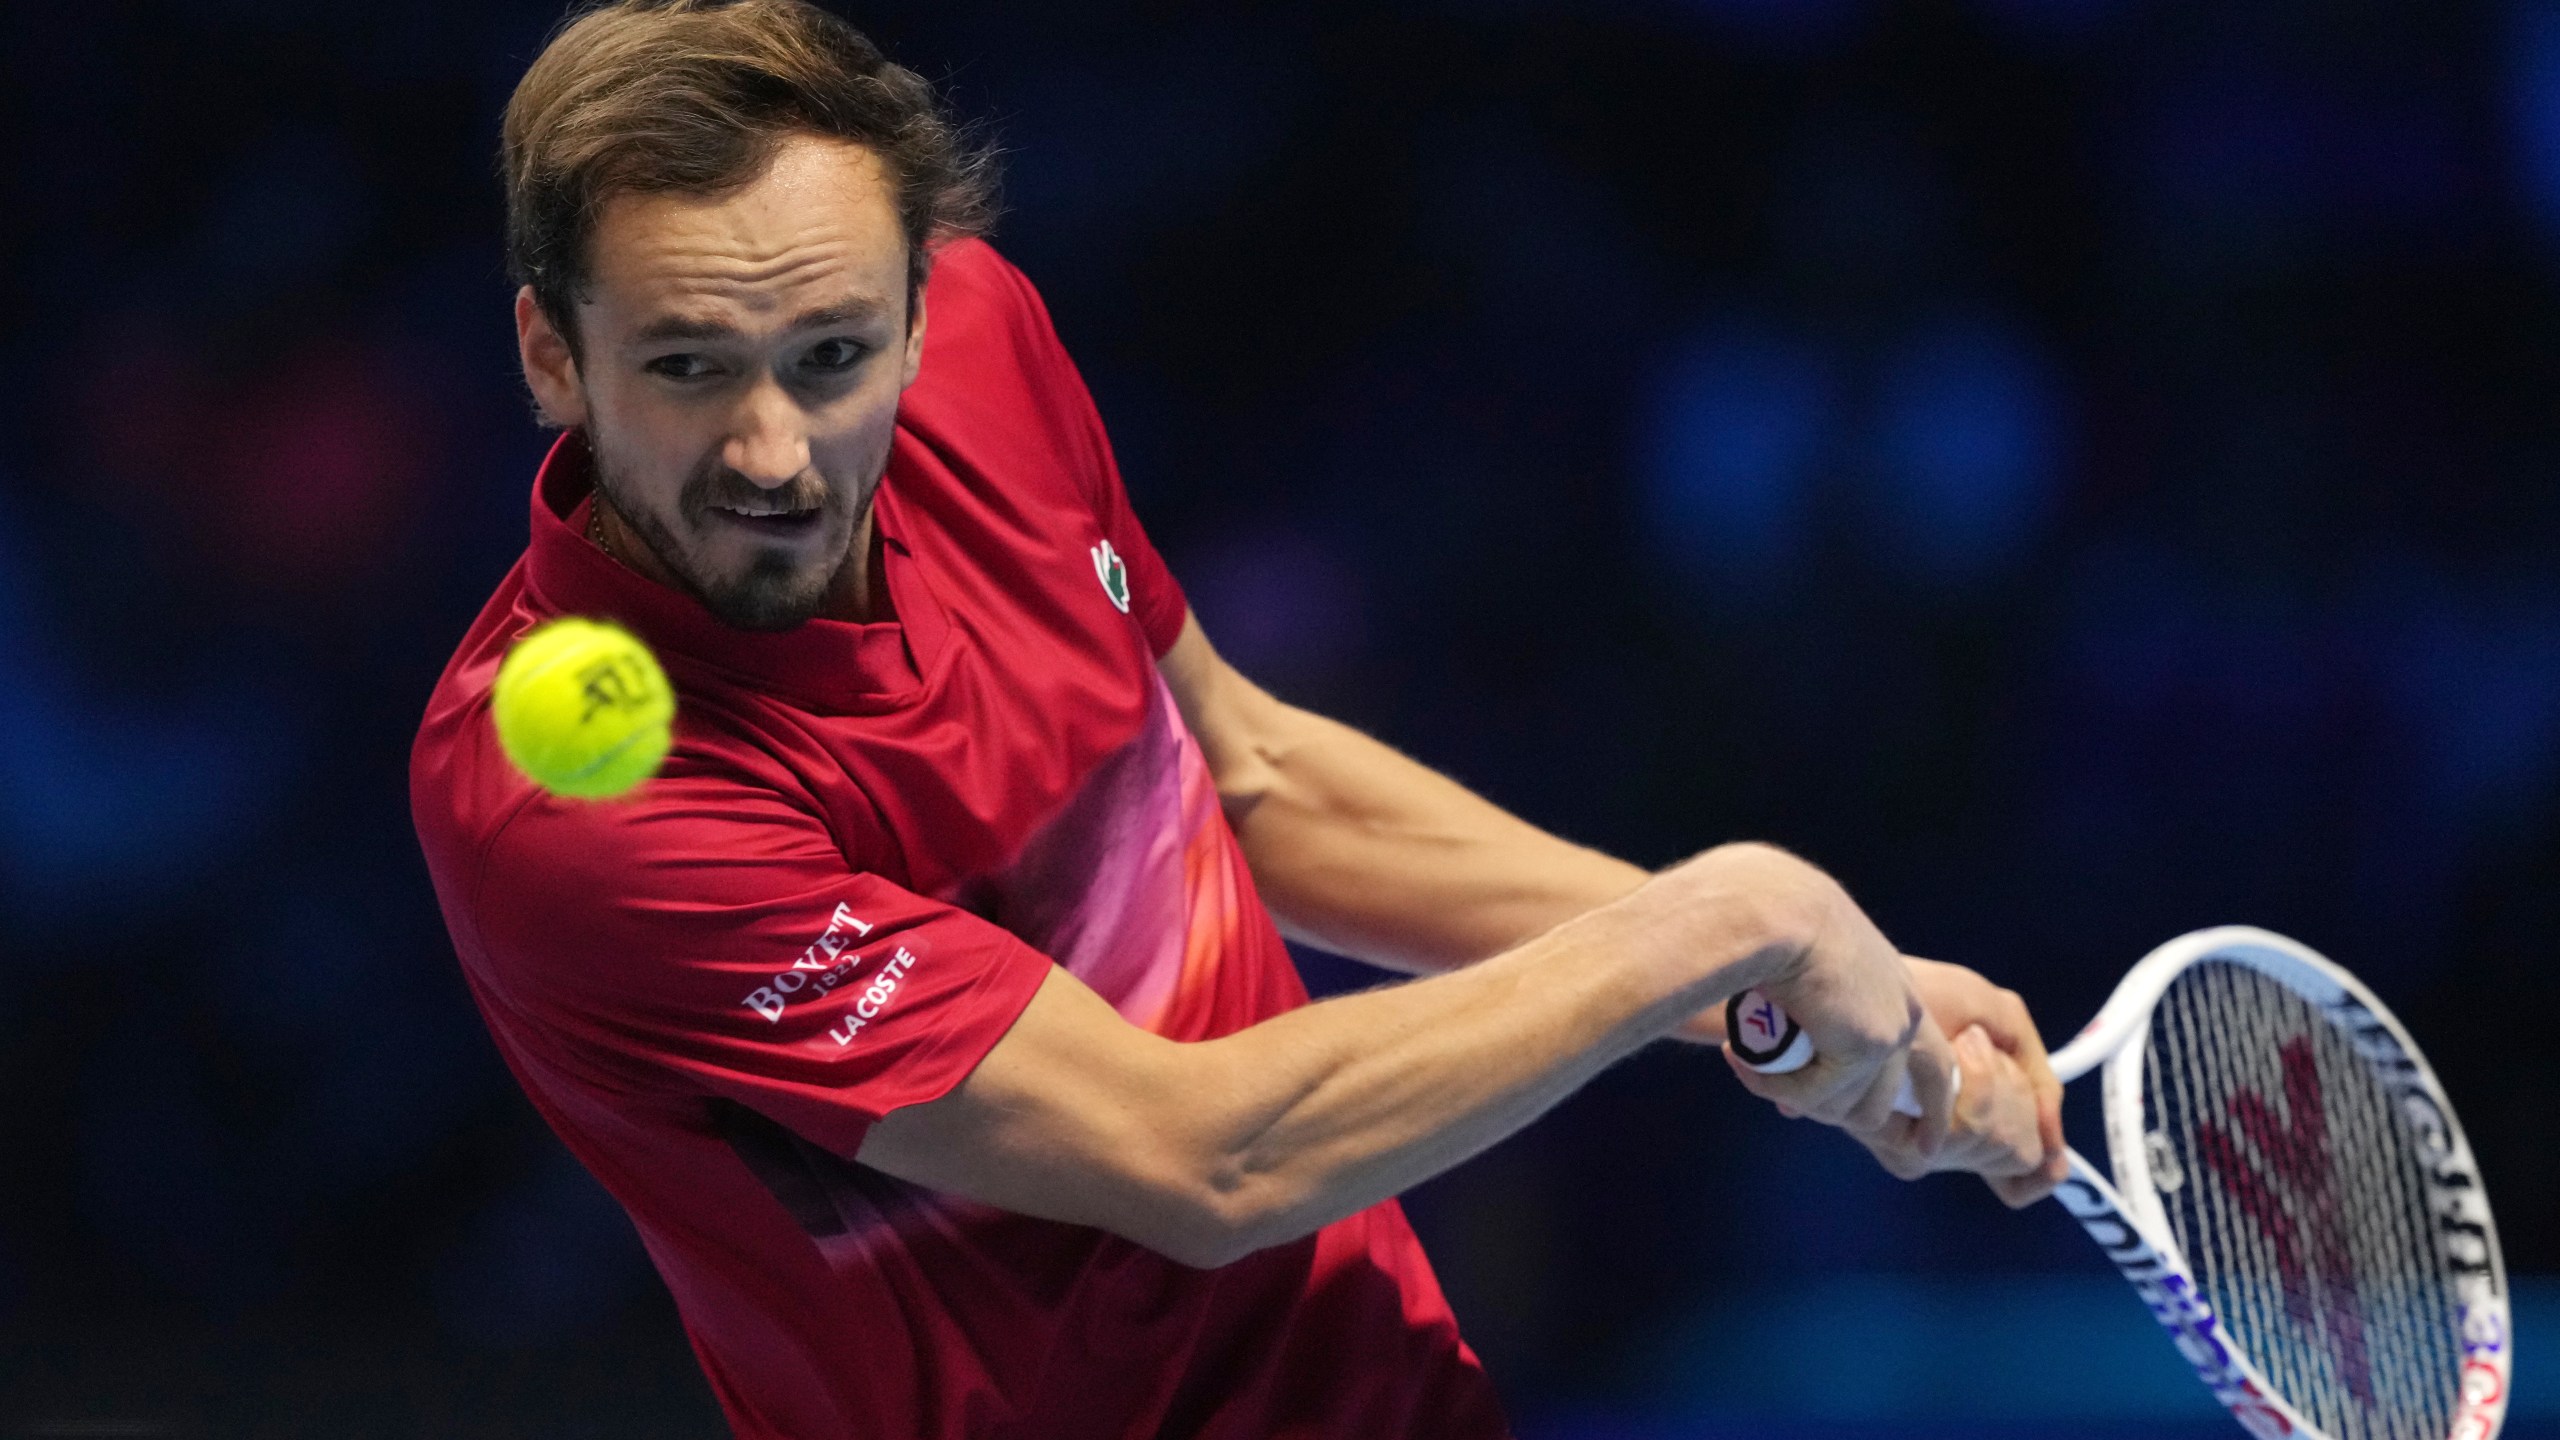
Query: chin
{"type": "Point", "coordinates": [753, 606]}
{"type": "Point", "coordinates": [765, 597]}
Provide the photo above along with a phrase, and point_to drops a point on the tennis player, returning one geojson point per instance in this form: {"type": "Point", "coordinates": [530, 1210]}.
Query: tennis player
{"type": "Point", "coordinates": [929, 1012]}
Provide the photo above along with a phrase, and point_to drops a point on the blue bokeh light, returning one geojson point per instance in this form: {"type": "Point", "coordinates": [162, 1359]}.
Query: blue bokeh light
{"type": "Point", "coordinates": [2533, 107]}
{"type": "Point", "coordinates": [99, 797]}
{"type": "Point", "coordinates": [1968, 447]}
{"type": "Point", "coordinates": [1732, 439]}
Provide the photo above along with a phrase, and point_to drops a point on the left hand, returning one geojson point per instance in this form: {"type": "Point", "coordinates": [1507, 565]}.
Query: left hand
{"type": "Point", "coordinates": [2007, 1125]}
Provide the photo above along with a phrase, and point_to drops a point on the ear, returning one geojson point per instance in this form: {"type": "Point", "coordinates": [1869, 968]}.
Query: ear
{"type": "Point", "coordinates": [915, 342]}
{"type": "Point", "coordinates": [550, 371]}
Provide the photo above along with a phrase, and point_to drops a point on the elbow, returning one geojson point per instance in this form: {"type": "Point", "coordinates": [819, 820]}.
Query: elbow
{"type": "Point", "coordinates": [1202, 1247]}
{"type": "Point", "coordinates": [1198, 1179]}
{"type": "Point", "coordinates": [1221, 1221]}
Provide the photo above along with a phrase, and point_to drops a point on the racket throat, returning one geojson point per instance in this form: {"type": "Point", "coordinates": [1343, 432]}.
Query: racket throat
{"type": "Point", "coordinates": [2171, 1297]}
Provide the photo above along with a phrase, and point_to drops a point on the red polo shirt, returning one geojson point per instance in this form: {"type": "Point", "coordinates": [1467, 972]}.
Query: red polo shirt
{"type": "Point", "coordinates": [869, 845]}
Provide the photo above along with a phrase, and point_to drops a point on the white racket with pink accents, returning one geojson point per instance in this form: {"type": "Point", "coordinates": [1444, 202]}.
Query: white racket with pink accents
{"type": "Point", "coordinates": [2291, 1194]}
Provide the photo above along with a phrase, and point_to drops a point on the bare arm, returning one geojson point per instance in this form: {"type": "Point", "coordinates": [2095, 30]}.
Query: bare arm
{"type": "Point", "coordinates": [1365, 852]}
{"type": "Point", "coordinates": [1208, 1151]}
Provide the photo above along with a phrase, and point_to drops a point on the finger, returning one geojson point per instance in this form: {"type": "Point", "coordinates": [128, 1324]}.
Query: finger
{"type": "Point", "coordinates": [1825, 1089]}
{"type": "Point", "coordinates": [1795, 1094]}
{"type": "Point", "coordinates": [1959, 997]}
{"type": "Point", "coordinates": [1869, 1109]}
{"type": "Point", "coordinates": [1998, 1133]}
{"type": "Point", "coordinates": [1969, 999]}
{"type": "Point", "coordinates": [1931, 1064]}
{"type": "Point", "coordinates": [2048, 1093]}
{"type": "Point", "coordinates": [1972, 1139]}
{"type": "Point", "coordinates": [1978, 1061]}
{"type": "Point", "coordinates": [2006, 1020]}
{"type": "Point", "coordinates": [2057, 1149]}
{"type": "Point", "coordinates": [2049, 1159]}
{"type": "Point", "coordinates": [2020, 1191]}
{"type": "Point", "coordinates": [1899, 1160]}
{"type": "Point", "coordinates": [1868, 1105]}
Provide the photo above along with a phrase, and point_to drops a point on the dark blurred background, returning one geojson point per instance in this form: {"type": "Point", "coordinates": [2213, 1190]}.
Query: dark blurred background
{"type": "Point", "coordinates": [2080, 469]}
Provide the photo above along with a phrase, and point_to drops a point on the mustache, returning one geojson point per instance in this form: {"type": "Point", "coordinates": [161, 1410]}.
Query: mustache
{"type": "Point", "coordinates": [717, 486]}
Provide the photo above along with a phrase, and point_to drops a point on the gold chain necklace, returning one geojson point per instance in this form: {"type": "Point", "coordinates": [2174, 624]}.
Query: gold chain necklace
{"type": "Point", "coordinates": [595, 529]}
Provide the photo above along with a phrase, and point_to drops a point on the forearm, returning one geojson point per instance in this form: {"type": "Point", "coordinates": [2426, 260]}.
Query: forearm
{"type": "Point", "coordinates": [1207, 1150]}
{"type": "Point", "coordinates": [1343, 1104]}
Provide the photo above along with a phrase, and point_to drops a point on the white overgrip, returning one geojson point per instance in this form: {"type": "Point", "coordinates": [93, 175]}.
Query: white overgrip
{"type": "Point", "coordinates": [1766, 1039]}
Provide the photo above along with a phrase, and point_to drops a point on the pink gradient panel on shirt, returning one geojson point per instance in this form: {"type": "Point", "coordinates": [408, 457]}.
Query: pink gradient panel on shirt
{"type": "Point", "coordinates": [1131, 885]}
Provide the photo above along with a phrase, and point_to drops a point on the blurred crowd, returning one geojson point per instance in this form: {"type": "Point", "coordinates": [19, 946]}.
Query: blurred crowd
{"type": "Point", "coordinates": [2079, 469]}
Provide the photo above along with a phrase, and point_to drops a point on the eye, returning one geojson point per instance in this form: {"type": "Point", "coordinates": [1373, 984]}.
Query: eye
{"type": "Point", "coordinates": [679, 367]}
{"type": "Point", "coordinates": [836, 355]}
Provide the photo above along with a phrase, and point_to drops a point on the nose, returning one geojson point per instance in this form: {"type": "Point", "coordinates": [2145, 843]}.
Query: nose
{"type": "Point", "coordinates": [768, 440]}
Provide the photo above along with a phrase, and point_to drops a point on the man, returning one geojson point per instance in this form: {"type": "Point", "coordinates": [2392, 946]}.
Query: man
{"type": "Point", "coordinates": [928, 1011]}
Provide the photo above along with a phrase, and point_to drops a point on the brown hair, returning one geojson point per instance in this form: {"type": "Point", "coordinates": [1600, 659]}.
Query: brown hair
{"type": "Point", "coordinates": [692, 96]}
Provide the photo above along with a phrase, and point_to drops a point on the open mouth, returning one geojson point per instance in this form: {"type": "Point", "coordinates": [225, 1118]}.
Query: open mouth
{"type": "Point", "coordinates": [778, 523]}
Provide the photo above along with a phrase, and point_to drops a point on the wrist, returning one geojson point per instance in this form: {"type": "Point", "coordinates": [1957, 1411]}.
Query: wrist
{"type": "Point", "coordinates": [1769, 910]}
{"type": "Point", "coordinates": [1738, 917]}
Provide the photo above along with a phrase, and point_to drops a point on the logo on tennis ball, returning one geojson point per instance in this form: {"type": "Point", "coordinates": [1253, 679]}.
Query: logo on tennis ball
{"type": "Point", "coordinates": [583, 709]}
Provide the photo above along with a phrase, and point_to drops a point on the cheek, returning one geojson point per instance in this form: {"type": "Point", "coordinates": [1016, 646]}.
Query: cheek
{"type": "Point", "coordinates": [856, 441]}
{"type": "Point", "coordinates": [652, 446]}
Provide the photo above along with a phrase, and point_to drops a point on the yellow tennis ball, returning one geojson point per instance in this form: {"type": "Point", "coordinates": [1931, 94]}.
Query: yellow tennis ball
{"type": "Point", "coordinates": [583, 708]}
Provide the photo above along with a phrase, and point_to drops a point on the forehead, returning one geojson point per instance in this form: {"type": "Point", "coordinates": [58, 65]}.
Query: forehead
{"type": "Point", "coordinates": [820, 220]}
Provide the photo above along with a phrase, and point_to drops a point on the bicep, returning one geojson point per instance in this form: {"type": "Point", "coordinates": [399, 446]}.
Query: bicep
{"type": "Point", "coordinates": [1065, 1118]}
{"type": "Point", "coordinates": [1243, 730]}
{"type": "Point", "coordinates": [1364, 851]}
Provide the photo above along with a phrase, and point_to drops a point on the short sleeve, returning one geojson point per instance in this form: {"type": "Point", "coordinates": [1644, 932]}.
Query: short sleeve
{"type": "Point", "coordinates": [712, 940]}
{"type": "Point", "coordinates": [1155, 598]}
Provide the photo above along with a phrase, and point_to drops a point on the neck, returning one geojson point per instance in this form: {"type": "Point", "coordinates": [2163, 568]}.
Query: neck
{"type": "Point", "coordinates": [861, 591]}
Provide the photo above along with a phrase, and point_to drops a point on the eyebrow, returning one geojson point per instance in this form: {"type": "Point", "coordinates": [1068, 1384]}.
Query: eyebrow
{"type": "Point", "coordinates": [859, 310]}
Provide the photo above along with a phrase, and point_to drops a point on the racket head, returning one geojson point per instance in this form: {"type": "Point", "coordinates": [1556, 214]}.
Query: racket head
{"type": "Point", "coordinates": [2284, 1146]}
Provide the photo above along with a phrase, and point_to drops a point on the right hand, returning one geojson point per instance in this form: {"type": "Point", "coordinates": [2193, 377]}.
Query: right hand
{"type": "Point", "coordinates": [2008, 1112]}
{"type": "Point", "coordinates": [1997, 1133]}
{"type": "Point", "coordinates": [1852, 992]}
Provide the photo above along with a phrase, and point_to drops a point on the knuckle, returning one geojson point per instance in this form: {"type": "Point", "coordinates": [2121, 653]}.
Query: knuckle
{"type": "Point", "coordinates": [1904, 1038]}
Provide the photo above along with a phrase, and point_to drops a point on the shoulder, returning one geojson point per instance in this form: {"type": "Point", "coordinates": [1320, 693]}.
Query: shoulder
{"type": "Point", "coordinates": [977, 290]}
{"type": "Point", "coordinates": [557, 876]}
{"type": "Point", "coordinates": [461, 790]}
{"type": "Point", "coordinates": [530, 879]}
{"type": "Point", "coordinates": [997, 399]}
{"type": "Point", "coordinates": [990, 346]}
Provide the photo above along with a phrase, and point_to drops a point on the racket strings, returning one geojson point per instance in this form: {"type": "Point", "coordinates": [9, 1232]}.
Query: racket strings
{"type": "Point", "coordinates": [2294, 1190]}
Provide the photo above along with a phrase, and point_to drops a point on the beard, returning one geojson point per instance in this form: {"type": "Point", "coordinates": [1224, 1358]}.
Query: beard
{"type": "Point", "coordinates": [776, 590]}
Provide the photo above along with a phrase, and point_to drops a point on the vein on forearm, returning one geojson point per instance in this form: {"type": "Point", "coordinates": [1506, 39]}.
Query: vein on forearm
{"type": "Point", "coordinates": [1333, 1126]}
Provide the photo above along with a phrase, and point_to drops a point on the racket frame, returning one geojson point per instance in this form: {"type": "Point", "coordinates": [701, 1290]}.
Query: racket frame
{"type": "Point", "coordinates": [2125, 1217]}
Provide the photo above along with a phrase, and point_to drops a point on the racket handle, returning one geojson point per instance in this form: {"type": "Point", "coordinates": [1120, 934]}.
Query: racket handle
{"type": "Point", "coordinates": [1764, 1037]}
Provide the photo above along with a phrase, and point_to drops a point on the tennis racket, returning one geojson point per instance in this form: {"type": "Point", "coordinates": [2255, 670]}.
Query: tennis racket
{"type": "Point", "coordinates": [2291, 1194]}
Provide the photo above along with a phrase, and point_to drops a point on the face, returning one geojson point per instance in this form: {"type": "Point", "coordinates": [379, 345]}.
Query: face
{"type": "Point", "coordinates": [741, 362]}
